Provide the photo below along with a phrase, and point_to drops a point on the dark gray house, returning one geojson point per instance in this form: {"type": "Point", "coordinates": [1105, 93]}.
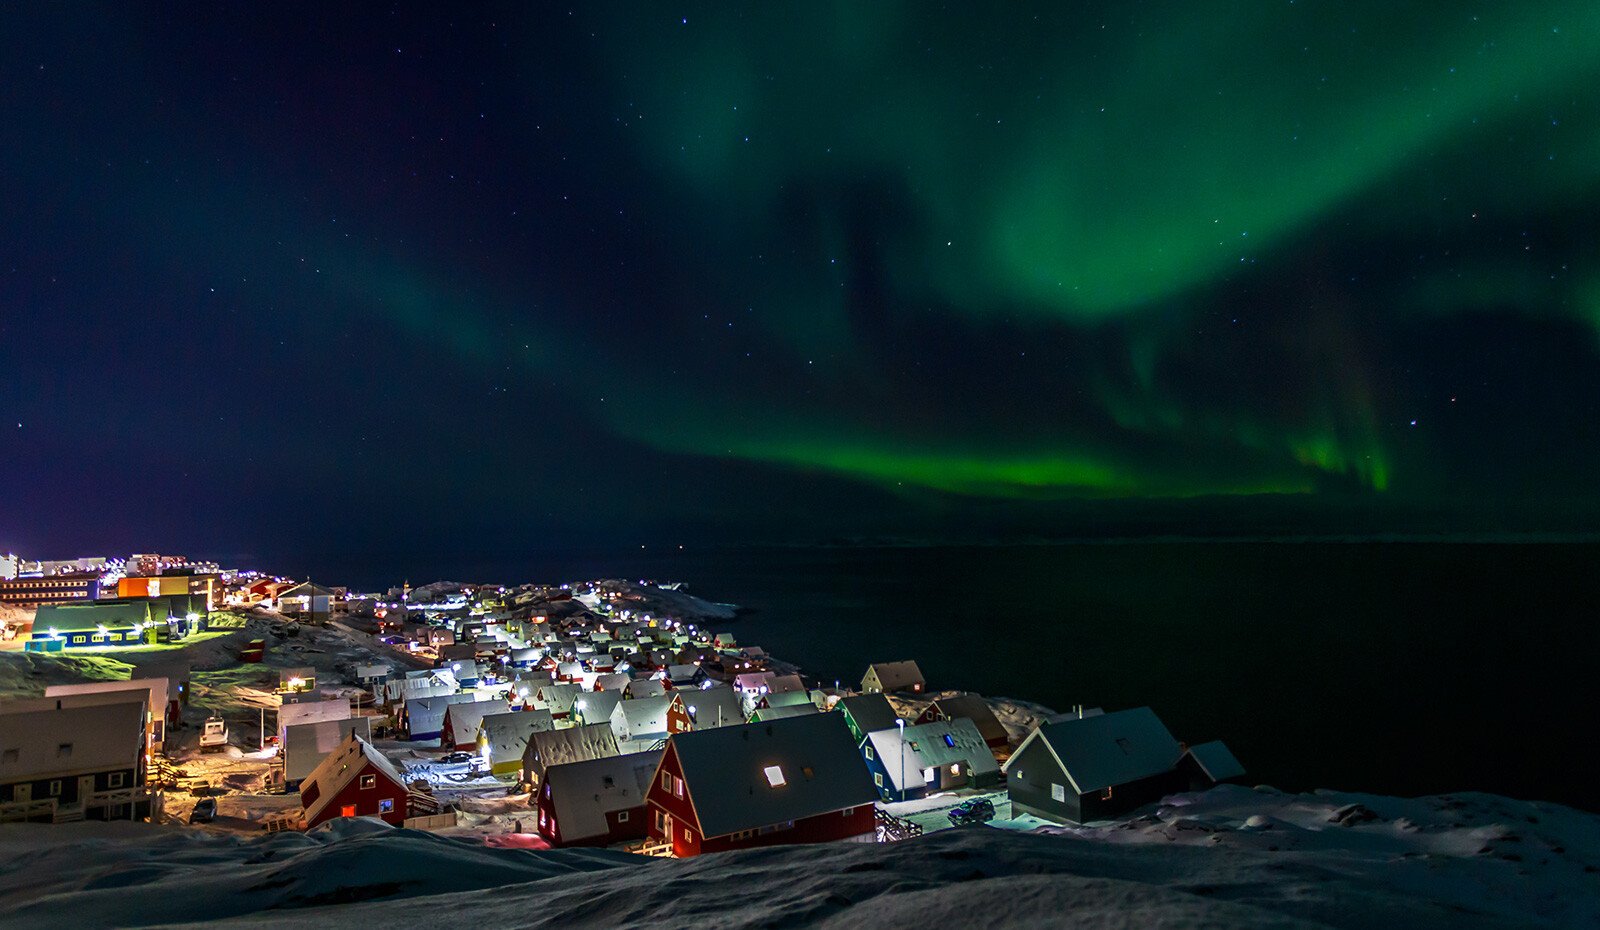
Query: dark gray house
{"type": "Point", "coordinates": [1094, 768]}
{"type": "Point", "coordinates": [60, 761]}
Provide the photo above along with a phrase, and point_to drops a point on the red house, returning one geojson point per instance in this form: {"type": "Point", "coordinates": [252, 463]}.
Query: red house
{"type": "Point", "coordinates": [354, 780]}
{"type": "Point", "coordinates": [597, 802]}
{"type": "Point", "coordinates": [795, 780]}
{"type": "Point", "coordinates": [973, 708]}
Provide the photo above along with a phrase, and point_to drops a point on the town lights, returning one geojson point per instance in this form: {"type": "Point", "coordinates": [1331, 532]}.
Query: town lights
{"type": "Point", "coordinates": [295, 683]}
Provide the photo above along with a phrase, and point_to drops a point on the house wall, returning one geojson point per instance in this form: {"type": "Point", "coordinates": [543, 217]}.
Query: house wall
{"type": "Point", "coordinates": [678, 721]}
{"type": "Point", "coordinates": [688, 839]}
{"type": "Point", "coordinates": [621, 825]}
{"type": "Point", "coordinates": [40, 788]}
{"type": "Point", "coordinates": [1133, 795]}
{"type": "Point", "coordinates": [366, 800]}
{"type": "Point", "coordinates": [823, 828]}
{"type": "Point", "coordinates": [1031, 790]}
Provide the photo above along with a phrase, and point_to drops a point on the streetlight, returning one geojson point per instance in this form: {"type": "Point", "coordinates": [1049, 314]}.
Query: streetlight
{"type": "Point", "coordinates": [900, 724]}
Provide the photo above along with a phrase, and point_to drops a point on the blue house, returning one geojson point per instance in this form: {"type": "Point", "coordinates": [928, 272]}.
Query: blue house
{"type": "Point", "coordinates": [912, 762]}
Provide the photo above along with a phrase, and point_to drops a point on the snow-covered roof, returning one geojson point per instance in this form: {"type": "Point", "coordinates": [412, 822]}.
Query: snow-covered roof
{"type": "Point", "coordinates": [307, 744]}
{"type": "Point", "coordinates": [426, 715]}
{"type": "Point", "coordinates": [975, 708]}
{"type": "Point", "coordinates": [786, 684]}
{"type": "Point", "coordinates": [1109, 749]}
{"type": "Point", "coordinates": [575, 744]}
{"type": "Point", "coordinates": [752, 681]}
{"type": "Point", "coordinates": [156, 690]}
{"type": "Point", "coordinates": [931, 745]}
{"type": "Point", "coordinates": [596, 706]}
{"type": "Point", "coordinates": [786, 710]}
{"type": "Point", "coordinates": [788, 698]}
{"type": "Point", "coordinates": [64, 739]}
{"type": "Point", "coordinates": [310, 712]}
{"type": "Point", "coordinates": [507, 733]}
{"type": "Point", "coordinates": [1216, 760]}
{"type": "Point", "coordinates": [462, 720]}
{"type": "Point", "coordinates": [682, 673]}
{"type": "Point", "coordinates": [758, 774]}
{"type": "Point", "coordinates": [646, 687]}
{"type": "Point", "coordinates": [869, 711]}
{"type": "Point", "coordinates": [336, 770]}
{"type": "Point", "coordinates": [897, 676]}
{"type": "Point", "coordinates": [712, 707]}
{"type": "Point", "coordinates": [558, 698]}
{"type": "Point", "coordinates": [615, 681]}
{"type": "Point", "coordinates": [582, 793]}
{"type": "Point", "coordinates": [640, 718]}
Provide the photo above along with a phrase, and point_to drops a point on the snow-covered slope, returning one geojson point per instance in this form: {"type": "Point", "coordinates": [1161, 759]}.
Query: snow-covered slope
{"type": "Point", "coordinates": [1230, 857]}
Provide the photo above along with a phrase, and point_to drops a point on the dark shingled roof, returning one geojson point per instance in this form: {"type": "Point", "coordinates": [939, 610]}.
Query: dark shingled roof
{"type": "Point", "coordinates": [725, 769]}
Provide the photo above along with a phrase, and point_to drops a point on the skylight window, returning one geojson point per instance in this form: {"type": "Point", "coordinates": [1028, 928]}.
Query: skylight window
{"type": "Point", "coordinates": [949, 740]}
{"type": "Point", "coordinates": [774, 776]}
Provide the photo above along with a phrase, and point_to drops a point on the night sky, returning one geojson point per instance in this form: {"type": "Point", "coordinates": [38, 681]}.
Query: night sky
{"type": "Point", "coordinates": [282, 278]}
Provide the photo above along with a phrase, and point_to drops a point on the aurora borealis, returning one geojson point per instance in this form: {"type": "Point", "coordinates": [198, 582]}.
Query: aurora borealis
{"type": "Point", "coordinates": [622, 272]}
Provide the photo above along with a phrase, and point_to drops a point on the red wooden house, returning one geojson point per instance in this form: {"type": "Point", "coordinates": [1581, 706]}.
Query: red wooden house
{"type": "Point", "coordinates": [796, 780]}
{"type": "Point", "coordinates": [596, 802]}
{"type": "Point", "coordinates": [692, 709]}
{"type": "Point", "coordinates": [354, 780]}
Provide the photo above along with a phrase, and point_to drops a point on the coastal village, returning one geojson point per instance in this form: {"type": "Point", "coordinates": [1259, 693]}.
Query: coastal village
{"type": "Point", "coordinates": [625, 714]}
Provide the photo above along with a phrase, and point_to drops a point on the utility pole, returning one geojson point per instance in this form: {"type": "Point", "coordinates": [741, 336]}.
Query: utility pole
{"type": "Point", "coordinates": [900, 723]}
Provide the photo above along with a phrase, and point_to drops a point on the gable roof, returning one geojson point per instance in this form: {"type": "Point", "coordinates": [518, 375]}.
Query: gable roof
{"type": "Point", "coordinates": [1109, 749]}
{"type": "Point", "coordinates": [975, 708]}
{"type": "Point", "coordinates": [558, 698]}
{"type": "Point", "coordinates": [582, 793]}
{"type": "Point", "coordinates": [596, 706]}
{"type": "Point", "coordinates": [613, 681]}
{"type": "Point", "coordinates": [869, 711]}
{"type": "Point", "coordinates": [464, 719]}
{"type": "Point", "coordinates": [305, 745]}
{"type": "Point", "coordinates": [788, 698]}
{"type": "Point", "coordinates": [784, 710]}
{"type": "Point", "coordinates": [574, 744]}
{"type": "Point", "coordinates": [724, 768]}
{"type": "Point", "coordinates": [897, 676]}
{"type": "Point", "coordinates": [117, 615]}
{"type": "Point", "coordinates": [645, 688]}
{"type": "Point", "coordinates": [642, 716]}
{"type": "Point", "coordinates": [904, 754]}
{"type": "Point", "coordinates": [507, 733]}
{"type": "Point", "coordinates": [1216, 760]}
{"type": "Point", "coordinates": [105, 735]}
{"type": "Point", "coordinates": [712, 707]}
{"type": "Point", "coordinates": [785, 684]}
{"type": "Point", "coordinates": [337, 769]}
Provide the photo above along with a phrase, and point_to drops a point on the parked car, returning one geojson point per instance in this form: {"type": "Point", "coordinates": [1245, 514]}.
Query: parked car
{"type": "Point", "coordinates": [456, 758]}
{"type": "Point", "coordinates": [973, 810]}
{"type": "Point", "coordinates": [205, 811]}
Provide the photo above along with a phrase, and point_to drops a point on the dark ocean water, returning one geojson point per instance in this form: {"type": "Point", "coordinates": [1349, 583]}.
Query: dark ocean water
{"type": "Point", "coordinates": [1400, 668]}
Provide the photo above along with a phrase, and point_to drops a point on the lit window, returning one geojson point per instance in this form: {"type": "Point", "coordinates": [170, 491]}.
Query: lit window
{"type": "Point", "coordinates": [386, 806]}
{"type": "Point", "coordinates": [949, 740]}
{"type": "Point", "coordinates": [369, 781]}
{"type": "Point", "coordinates": [1058, 792]}
{"type": "Point", "coordinates": [349, 810]}
{"type": "Point", "coordinates": [774, 776]}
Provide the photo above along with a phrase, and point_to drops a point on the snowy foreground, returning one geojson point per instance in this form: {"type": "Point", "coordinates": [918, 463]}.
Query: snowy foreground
{"type": "Point", "coordinates": [1231, 857]}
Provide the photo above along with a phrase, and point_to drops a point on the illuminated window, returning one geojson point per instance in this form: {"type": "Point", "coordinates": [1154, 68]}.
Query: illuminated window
{"type": "Point", "coordinates": [949, 740]}
{"type": "Point", "coordinates": [349, 810]}
{"type": "Point", "coordinates": [774, 776]}
{"type": "Point", "coordinates": [369, 781]}
{"type": "Point", "coordinates": [386, 806]}
{"type": "Point", "coordinates": [1058, 792]}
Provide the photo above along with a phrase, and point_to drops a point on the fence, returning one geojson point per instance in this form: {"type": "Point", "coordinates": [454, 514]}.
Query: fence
{"type": "Point", "coordinates": [892, 829]}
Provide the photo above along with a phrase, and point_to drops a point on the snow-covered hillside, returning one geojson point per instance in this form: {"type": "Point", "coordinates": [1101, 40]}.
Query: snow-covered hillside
{"type": "Point", "coordinates": [1230, 857]}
